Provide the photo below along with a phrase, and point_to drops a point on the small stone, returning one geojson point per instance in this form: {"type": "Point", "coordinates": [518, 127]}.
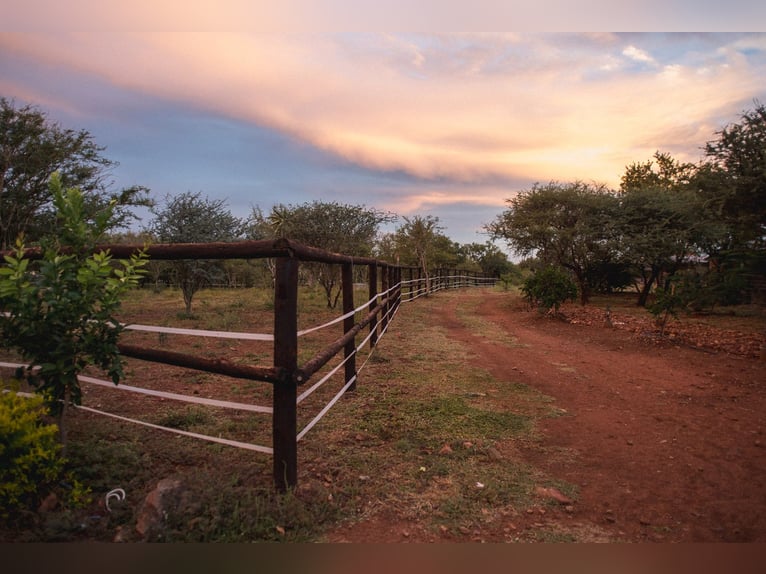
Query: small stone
{"type": "Point", "coordinates": [446, 449]}
{"type": "Point", "coordinates": [154, 507]}
{"type": "Point", "coordinates": [629, 442]}
{"type": "Point", "coordinates": [119, 535]}
{"type": "Point", "coordinates": [553, 493]}
{"type": "Point", "coordinates": [494, 454]}
{"type": "Point", "coordinates": [49, 503]}
{"type": "Point", "coordinates": [405, 533]}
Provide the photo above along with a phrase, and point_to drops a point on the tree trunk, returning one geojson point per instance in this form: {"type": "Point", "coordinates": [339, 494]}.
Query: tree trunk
{"type": "Point", "coordinates": [643, 295]}
{"type": "Point", "coordinates": [582, 283]}
{"type": "Point", "coordinates": [188, 301]}
{"type": "Point", "coordinates": [62, 422]}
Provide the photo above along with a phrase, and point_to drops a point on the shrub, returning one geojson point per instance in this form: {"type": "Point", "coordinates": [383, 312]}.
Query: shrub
{"type": "Point", "coordinates": [549, 288]}
{"type": "Point", "coordinates": [30, 457]}
{"type": "Point", "coordinates": [60, 310]}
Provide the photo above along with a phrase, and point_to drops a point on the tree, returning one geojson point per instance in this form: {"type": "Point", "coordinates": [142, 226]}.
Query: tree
{"type": "Point", "coordinates": [662, 222]}
{"type": "Point", "coordinates": [488, 256]}
{"type": "Point", "coordinates": [661, 172]}
{"type": "Point", "coordinates": [59, 311]}
{"type": "Point", "coordinates": [191, 218]}
{"type": "Point", "coordinates": [418, 242]}
{"type": "Point", "coordinates": [737, 160]}
{"type": "Point", "coordinates": [331, 226]}
{"type": "Point", "coordinates": [732, 182]}
{"type": "Point", "coordinates": [570, 225]}
{"type": "Point", "coordinates": [548, 288]}
{"type": "Point", "coordinates": [32, 148]}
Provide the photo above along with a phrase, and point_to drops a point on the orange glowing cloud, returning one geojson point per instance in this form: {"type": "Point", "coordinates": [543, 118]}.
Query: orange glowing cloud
{"type": "Point", "coordinates": [465, 108]}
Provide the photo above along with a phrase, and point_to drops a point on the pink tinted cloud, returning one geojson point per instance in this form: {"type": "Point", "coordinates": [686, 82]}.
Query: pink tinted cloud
{"type": "Point", "coordinates": [469, 109]}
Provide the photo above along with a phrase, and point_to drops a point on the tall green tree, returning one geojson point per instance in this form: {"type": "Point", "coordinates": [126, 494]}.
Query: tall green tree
{"type": "Point", "coordinates": [662, 221]}
{"type": "Point", "coordinates": [571, 225]}
{"type": "Point", "coordinates": [489, 257]}
{"type": "Point", "coordinates": [59, 311]}
{"type": "Point", "coordinates": [733, 184]}
{"type": "Point", "coordinates": [663, 171]}
{"type": "Point", "coordinates": [191, 218]}
{"type": "Point", "coordinates": [331, 226]}
{"type": "Point", "coordinates": [32, 148]}
{"type": "Point", "coordinates": [419, 241]}
{"type": "Point", "coordinates": [737, 162]}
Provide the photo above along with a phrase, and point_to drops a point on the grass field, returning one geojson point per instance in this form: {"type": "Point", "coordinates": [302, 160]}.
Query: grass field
{"type": "Point", "coordinates": [421, 438]}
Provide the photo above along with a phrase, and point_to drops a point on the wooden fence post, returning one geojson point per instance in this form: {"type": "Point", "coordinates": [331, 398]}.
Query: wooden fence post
{"type": "Point", "coordinates": [284, 417]}
{"type": "Point", "coordinates": [373, 279]}
{"type": "Point", "coordinates": [349, 351]}
{"type": "Point", "coordinates": [386, 273]}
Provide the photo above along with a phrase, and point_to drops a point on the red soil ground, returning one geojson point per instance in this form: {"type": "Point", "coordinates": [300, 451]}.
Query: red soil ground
{"type": "Point", "coordinates": [664, 440]}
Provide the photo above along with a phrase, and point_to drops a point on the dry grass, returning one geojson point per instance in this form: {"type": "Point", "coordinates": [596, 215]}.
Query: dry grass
{"type": "Point", "coordinates": [421, 437]}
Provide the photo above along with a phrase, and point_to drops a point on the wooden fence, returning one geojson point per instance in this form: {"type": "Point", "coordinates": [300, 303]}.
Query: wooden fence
{"type": "Point", "coordinates": [387, 289]}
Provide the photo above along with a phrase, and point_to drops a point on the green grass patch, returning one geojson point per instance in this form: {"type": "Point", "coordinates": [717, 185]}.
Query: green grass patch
{"type": "Point", "coordinates": [426, 436]}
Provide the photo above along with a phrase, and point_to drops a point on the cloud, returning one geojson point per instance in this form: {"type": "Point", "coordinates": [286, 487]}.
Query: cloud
{"type": "Point", "coordinates": [638, 55]}
{"type": "Point", "coordinates": [473, 109]}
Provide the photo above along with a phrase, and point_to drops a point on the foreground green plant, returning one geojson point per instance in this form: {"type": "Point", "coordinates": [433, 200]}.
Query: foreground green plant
{"type": "Point", "coordinates": [549, 288]}
{"type": "Point", "coordinates": [30, 460]}
{"type": "Point", "coordinates": [59, 311]}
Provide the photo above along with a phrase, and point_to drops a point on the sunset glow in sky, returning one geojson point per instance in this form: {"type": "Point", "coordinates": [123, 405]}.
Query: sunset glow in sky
{"type": "Point", "coordinates": [444, 124]}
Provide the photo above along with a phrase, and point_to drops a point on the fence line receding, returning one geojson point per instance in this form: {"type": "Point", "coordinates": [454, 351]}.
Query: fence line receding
{"type": "Point", "coordinates": [386, 288]}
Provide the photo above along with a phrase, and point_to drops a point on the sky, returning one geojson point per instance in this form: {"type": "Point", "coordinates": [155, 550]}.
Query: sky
{"type": "Point", "coordinates": [440, 122]}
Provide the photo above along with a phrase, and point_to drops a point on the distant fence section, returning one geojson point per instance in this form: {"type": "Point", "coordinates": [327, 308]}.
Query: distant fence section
{"type": "Point", "coordinates": [388, 286]}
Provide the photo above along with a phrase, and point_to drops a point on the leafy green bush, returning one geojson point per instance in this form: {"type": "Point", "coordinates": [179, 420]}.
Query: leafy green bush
{"type": "Point", "coordinates": [548, 288]}
{"type": "Point", "coordinates": [60, 310]}
{"type": "Point", "coordinates": [514, 276]}
{"type": "Point", "coordinates": [30, 454]}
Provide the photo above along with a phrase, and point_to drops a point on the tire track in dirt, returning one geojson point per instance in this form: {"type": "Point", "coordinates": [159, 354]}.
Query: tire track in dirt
{"type": "Point", "coordinates": [664, 444]}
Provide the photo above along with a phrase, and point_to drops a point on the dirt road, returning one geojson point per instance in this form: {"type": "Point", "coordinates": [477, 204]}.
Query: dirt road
{"type": "Point", "coordinates": [666, 443]}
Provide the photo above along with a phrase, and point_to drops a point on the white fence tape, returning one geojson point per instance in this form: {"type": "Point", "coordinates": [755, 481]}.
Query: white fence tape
{"type": "Point", "coordinates": [164, 394]}
{"type": "Point", "coordinates": [208, 438]}
{"type": "Point", "coordinates": [391, 313]}
{"type": "Point", "coordinates": [179, 397]}
{"type": "Point", "coordinates": [219, 440]}
{"type": "Point", "coordinates": [201, 332]}
{"type": "Point", "coordinates": [327, 407]}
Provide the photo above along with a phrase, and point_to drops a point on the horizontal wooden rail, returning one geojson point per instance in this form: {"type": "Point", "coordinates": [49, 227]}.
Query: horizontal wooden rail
{"type": "Point", "coordinates": [219, 366]}
{"type": "Point", "coordinates": [254, 249]}
{"type": "Point", "coordinates": [385, 290]}
{"type": "Point", "coordinates": [319, 360]}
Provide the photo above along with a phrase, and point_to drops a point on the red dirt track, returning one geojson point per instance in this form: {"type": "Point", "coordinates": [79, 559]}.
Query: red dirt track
{"type": "Point", "coordinates": [664, 441]}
